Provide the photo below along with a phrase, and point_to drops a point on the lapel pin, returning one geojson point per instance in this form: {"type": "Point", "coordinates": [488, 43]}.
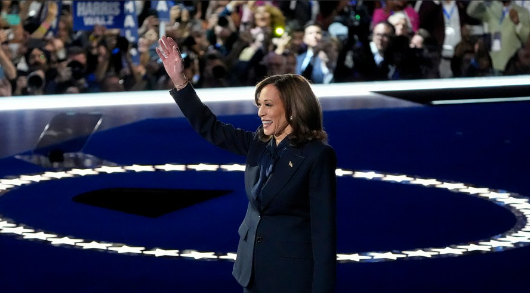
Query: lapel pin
{"type": "Point", "coordinates": [290, 164]}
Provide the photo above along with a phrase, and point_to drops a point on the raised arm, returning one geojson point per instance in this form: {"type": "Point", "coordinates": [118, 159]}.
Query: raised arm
{"type": "Point", "coordinates": [477, 9]}
{"type": "Point", "coordinates": [203, 121]}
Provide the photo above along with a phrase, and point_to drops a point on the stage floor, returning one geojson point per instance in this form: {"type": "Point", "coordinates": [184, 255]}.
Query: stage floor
{"type": "Point", "coordinates": [430, 198]}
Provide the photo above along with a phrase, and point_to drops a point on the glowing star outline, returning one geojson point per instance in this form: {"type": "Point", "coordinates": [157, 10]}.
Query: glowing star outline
{"type": "Point", "coordinates": [229, 256]}
{"type": "Point", "coordinates": [448, 250]}
{"type": "Point", "coordinates": [474, 190]}
{"type": "Point", "coordinates": [451, 186]}
{"type": "Point", "coordinates": [64, 240]}
{"type": "Point", "coordinates": [127, 249]}
{"type": "Point", "coordinates": [521, 206]}
{"type": "Point", "coordinates": [39, 235]}
{"type": "Point", "coordinates": [352, 257]}
{"type": "Point", "coordinates": [495, 244]}
{"type": "Point", "coordinates": [198, 255]}
{"type": "Point", "coordinates": [161, 252]}
{"type": "Point", "coordinates": [341, 172]}
{"type": "Point", "coordinates": [203, 167]}
{"type": "Point", "coordinates": [518, 205]}
{"type": "Point", "coordinates": [474, 247]}
{"type": "Point", "coordinates": [425, 182]}
{"type": "Point", "coordinates": [386, 255]}
{"type": "Point", "coordinates": [140, 168]}
{"type": "Point", "coordinates": [7, 224]}
{"type": "Point", "coordinates": [367, 175]}
{"type": "Point", "coordinates": [513, 200]}
{"type": "Point", "coordinates": [94, 245]}
{"type": "Point", "coordinates": [397, 178]}
{"type": "Point", "coordinates": [5, 186]}
{"type": "Point", "coordinates": [521, 233]}
{"type": "Point", "coordinates": [234, 167]}
{"type": "Point", "coordinates": [171, 167]}
{"type": "Point", "coordinates": [57, 175]}
{"type": "Point", "coordinates": [16, 230]}
{"type": "Point", "coordinates": [83, 172]}
{"type": "Point", "coordinates": [515, 239]}
{"type": "Point", "coordinates": [34, 178]}
{"type": "Point", "coordinates": [492, 194]}
{"type": "Point", "coordinates": [16, 182]}
{"type": "Point", "coordinates": [110, 170]}
{"type": "Point", "coordinates": [420, 253]}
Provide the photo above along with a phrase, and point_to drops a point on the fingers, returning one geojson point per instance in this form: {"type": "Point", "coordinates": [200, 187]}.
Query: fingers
{"type": "Point", "coordinates": [163, 47]}
{"type": "Point", "coordinates": [168, 46]}
{"type": "Point", "coordinates": [160, 54]}
{"type": "Point", "coordinates": [173, 44]}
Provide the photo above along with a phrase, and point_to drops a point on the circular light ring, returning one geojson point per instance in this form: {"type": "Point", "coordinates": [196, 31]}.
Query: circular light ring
{"type": "Point", "coordinates": [517, 236]}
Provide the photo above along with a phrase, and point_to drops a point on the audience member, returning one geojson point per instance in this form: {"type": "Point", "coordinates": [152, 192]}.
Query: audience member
{"type": "Point", "coordinates": [238, 43]}
{"type": "Point", "coordinates": [508, 26]}
{"type": "Point", "coordinates": [391, 7]}
{"type": "Point", "coordinates": [312, 64]}
{"type": "Point", "coordinates": [401, 24]}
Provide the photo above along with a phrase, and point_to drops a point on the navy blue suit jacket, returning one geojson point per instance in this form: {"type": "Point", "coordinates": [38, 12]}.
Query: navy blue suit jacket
{"type": "Point", "coordinates": [288, 243]}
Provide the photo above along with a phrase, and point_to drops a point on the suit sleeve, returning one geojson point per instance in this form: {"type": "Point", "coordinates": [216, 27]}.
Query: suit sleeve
{"type": "Point", "coordinates": [477, 9]}
{"type": "Point", "coordinates": [524, 21]}
{"type": "Point", "coordinates": [322, 199]}
{"type": "Point", "coordinates": [205, 123]}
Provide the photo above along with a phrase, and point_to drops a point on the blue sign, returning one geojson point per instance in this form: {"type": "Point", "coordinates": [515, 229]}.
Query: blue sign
{"type": "Point", "coordinates": [130, 30]}
{"type": "Point", "coordinates": [162, 7]}
{"type": "Point", "coordinates": [87, 14]}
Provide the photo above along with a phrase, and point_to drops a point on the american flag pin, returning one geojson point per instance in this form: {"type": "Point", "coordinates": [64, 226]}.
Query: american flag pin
{"type": "Point", "coordinates": [290, 164]}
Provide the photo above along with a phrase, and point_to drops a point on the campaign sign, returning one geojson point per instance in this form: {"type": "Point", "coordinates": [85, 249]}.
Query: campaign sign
{"type": "Point", "coordinates": [130, 30]}
{"type": "Point", "coordinates": [130, 25]}
{"type": "Point", "coordinates": [87, 14]}
{"type": "Point", "coordinates": [162, 7]}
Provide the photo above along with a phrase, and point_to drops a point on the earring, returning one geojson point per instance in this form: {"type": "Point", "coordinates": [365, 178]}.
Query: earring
{"type": "Point", "coordinates": [291, 118]}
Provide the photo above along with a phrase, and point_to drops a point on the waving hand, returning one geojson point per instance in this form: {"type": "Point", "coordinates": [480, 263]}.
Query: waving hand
{"type": "Point", "coordinates": [169, 53]}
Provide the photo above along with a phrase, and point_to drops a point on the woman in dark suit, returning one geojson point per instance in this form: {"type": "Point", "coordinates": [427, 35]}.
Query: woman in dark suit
{"type": "Point", "coordinates": [288, 237]}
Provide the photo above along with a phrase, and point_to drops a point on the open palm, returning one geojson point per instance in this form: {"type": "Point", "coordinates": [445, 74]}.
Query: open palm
{"type": "Point", "coordinates": [169, 53]}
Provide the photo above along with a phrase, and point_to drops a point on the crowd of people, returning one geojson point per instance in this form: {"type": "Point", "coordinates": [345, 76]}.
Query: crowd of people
{"type": "Point", "coordinates": [238, 43]}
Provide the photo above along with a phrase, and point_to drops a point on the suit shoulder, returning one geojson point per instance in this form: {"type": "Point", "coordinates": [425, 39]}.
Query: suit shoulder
{"type": "Point", "coordinates": [318, 147]}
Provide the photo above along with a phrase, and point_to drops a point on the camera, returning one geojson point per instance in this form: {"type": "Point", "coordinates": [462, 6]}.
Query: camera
{"type": "Point", "coordinates": [78, 70]}
{"type": "Point", "coordinates": [35, 81]}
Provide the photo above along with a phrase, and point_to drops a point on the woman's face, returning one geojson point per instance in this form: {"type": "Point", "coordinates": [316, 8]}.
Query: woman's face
{"type": "Point", "coordinates": [402, 27]}
{"type": "Point", "coordinates": [261, 17]}
{"type": "Point", "coordinates": [272, 113]}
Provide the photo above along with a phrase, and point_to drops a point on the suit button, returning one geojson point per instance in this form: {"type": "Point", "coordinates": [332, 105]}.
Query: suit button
{"type": "Point", "coordinates": [259, 239]}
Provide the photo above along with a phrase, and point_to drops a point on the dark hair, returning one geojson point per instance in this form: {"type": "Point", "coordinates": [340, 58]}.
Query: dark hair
{"type": "Point", "coordinates": [388, 25]}
{"type": "Point", "coordinates": [312, 23]}
{"type": "Point", "coordinates": [300, 103]}
{"type": "Point", "coordinates": [222, 21]}
{"type": "Point", "coordinates": [75, 50]}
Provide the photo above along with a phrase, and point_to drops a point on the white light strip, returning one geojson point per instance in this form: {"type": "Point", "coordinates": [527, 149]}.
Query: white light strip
{"type": "Point", "coordinates": [474, 101]}
{"type": "Point", "coordinates": [337, 90]}
{"type": "Point", "coordinates": [514, 238]}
